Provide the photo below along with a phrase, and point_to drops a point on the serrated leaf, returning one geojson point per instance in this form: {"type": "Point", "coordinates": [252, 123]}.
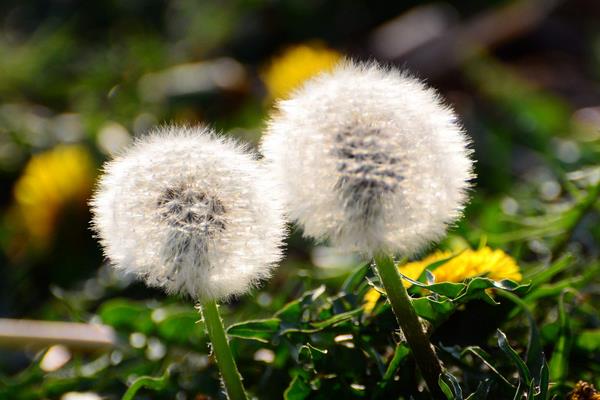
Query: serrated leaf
{"type": "Point", "coordinates": [433, 310]}
{"type": "Point", "coordinates": [446, 289]}
{"type": "Point", "coordinates": [261, 330]}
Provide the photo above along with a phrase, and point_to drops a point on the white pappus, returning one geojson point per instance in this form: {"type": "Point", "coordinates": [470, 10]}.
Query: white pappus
{"type": "Point", "coordinates": [191, 212]}
{"type": "Point", "coordinates": [369, 158]}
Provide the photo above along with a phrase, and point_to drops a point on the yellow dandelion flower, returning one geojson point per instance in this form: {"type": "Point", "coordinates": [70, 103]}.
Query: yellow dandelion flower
{"type": "Point", "coordinates": [297, 64]}
{"type": "Point", "coordinates": [493, 263]}
{"type": "Point", "coordinates": [52, 181]}
{"type": "Point", "coordinates": [370, 300]}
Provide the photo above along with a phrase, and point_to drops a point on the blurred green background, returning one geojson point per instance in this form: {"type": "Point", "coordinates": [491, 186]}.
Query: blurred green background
{"type": "Point", "coordinates": [80, 80]}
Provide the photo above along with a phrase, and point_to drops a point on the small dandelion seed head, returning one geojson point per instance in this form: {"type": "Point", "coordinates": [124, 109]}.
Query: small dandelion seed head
{"type": "Point", "coordinates": [369, 158]}
{"type": "Point", "coordinates": [190, 212]}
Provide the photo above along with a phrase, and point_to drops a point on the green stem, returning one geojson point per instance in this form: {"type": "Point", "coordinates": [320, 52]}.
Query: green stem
{"type": "Point", "coordinates": [408, 320]}
{"type": "Point", "coordinates": [214, 326]}
{"type": "Point", "coordinates": [146, 382]}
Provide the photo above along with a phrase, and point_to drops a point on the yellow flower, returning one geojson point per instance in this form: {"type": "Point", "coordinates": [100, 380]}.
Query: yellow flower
{"type": "Point", "coordinates": [492, 263]}
{"type": "Point", "coordinates": [370, 300]}
{"type": "Point", "coordinates": [297, 64]}
{"type": "Point", "coordinates": [51, 182]}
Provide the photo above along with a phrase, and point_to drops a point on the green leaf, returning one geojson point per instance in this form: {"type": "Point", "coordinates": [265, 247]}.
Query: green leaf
{"type": "Point", "coordinates": [298, 389]}
{"type": "Point", "coordinates": [148, 382]}
{"type": "Point", "coordinates": [355, 279]}
{"type": "Point", "coordinates": [544, 275]}
{"type": "Point", "coordinates": [447, 289]}
{"type": "Point", "coordinates": [477, 289]}
{"type": "Point", "coordinates": [308, 354]}
{"type": "Point", "coordinates": [450, 386]}
{"type": "Point", "coordinates": [524, 372]}
{"type": "Point", "coordinates": [292, 312]}
{"type": "Point", "coordinates": [588, 340]}
{"type": "Point", "coordinates": [127, 315]}
{"type": "Point", "coordinates": [336, 319]}
{"type": "Point", "coordinates": [554, 289]}
{"type": "Point", "coordinates": [402, 351]}
{"type": "Point", "coordinates": [424, 277]}
{"type": "Point", "coordinates": [261, 330]}
{"type": "Point", "coordinates": [318, 326]}
{"type": "Point", "coordinates": [535, 354]}
{"type": "Point", "coordinates": [485, 358]}
{"type": "Point", "coordinates": [180, 325]}
{"type": "Point", "coordinates": [519, 392]}
{"type": "Point", "coordinates": [544, 382]}
{"type": "Point", "coordinates": [482, 391]}
{"type": "Point", "coordinates": [433, 310]}
{"type": "Point", "coordinates": [559, 363]}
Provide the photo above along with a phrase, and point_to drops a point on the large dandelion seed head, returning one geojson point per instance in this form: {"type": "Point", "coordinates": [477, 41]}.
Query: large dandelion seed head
{"type": "Point", "coordinates": [369, 158]}
{"type": "Point", "coordinates": [190, 212]}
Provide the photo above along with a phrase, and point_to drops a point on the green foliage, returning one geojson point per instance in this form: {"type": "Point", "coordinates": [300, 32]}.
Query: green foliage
{"type": "Point", "coordinates": [532, 114]}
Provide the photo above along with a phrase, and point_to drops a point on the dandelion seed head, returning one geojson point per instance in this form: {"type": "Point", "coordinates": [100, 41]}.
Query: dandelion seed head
{"type": "Point", "coordinates": [190, 212]}
{"type": "Point", "coordinates": [369, 158]}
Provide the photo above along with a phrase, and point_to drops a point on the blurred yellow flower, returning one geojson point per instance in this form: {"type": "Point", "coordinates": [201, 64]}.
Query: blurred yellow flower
{"type": "Point", "coordinates": [492, 263]}
{"type": "Point", "coordinates": [51, 182]}
{"type": "Point", "coordinates": [289, 70]}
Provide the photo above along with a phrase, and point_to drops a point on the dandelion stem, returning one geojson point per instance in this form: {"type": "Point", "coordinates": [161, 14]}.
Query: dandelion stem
{"type": "Point", "coordinates": [214, 326]}
{"type": "Point", "coordinates": [408, 320]}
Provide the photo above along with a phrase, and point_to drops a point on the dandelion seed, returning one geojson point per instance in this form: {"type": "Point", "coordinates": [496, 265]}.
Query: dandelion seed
{"type": "Point", "coordinates": [369, 158]}
{"type": "Point", "coordinates": [190, 212]}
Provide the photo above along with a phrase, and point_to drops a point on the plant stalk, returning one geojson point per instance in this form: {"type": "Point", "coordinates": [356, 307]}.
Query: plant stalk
{"type": "Point", "coordinates": [220, 346]}
{"type": "Point", "coordinates": [407, 318]}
